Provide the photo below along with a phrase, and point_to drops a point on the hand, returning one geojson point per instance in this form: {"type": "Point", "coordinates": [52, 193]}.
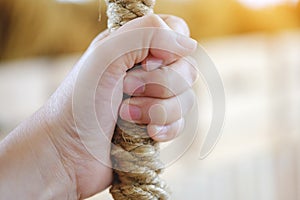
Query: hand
{"type": "Point", "coordinates": [161, 96]}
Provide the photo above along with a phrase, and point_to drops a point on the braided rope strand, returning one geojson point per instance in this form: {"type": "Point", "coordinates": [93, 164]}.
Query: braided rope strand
{"type": "Point", "coordinates": [121, 11]}
{"type": "Point", "coordinates": [136, 164]}
{"type": "Point", "coordinates": [135, 156]}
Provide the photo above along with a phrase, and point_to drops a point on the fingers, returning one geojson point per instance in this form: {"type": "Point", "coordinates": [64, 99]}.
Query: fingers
{"type": "Point", "coordinates": [173, 47]}
{"type": "Point", "coordinates": [131, 44]}
{"type": "Point", "coordinates": [176, 24]}
{"type": "Point", "coordinates": [161, 41]}
{"type": "Point", "coordinates": [167, 132]}
{"type": "Point", "coordinates": [165, 36]}
{"type": "Point", "coordinates": [164, 82]}
{"type": "Point", "coordinates": [145, 110]}
{"type": "Point", "coordinates": [162, 95]}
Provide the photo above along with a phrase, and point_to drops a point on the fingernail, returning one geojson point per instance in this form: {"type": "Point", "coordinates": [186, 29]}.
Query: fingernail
{"type": "Point", "coordinates": [130, 112]}
{"type": "Point", "coordinates": [153, 63]}
{"type": "Point", "coordinates": [133, 85]}
{"type": "Point", "coordinates": [186, 42]}
{"type": "Point", "coordinates": [158, 114]}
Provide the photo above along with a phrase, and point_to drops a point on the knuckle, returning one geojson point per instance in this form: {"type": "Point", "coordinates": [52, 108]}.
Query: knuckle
{"type": "Point", "coordinates": [164, 85]}
{"type": "Point", "coordinates": [181, 21]}
{"type": "Point", "coordinates": [191, 98]}
{"type": "Point", "coordinates": [166, 77]}
{"type": "Point", "coordinates": [154, 20]}
{"type": "Point", "coordinates": [193, 72]}
{"type": "Point", "coordinates": [189, 74]}
{"type": "Point", "coordinates": [175, 110]}
{"type": "Point", "coordinates": [177, 20]}
{"type": "Point", "coordinates": [182, 24]}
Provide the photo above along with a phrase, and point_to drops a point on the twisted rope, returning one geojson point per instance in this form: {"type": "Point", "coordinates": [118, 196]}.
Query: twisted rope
{"type": "Point", "coordinates": [136, 164]}
{"type": "Point", "coordinates": [134, 155]}
{"type": "Point", "coordinates": [121, 11]}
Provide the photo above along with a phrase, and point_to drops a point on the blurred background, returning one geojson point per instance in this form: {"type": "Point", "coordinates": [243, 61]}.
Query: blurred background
{"type": "Point", "coordinates": [256, 47]}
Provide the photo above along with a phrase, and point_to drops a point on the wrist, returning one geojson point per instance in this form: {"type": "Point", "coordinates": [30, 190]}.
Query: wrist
{"type": "Point", "coordinates": [31, 167]}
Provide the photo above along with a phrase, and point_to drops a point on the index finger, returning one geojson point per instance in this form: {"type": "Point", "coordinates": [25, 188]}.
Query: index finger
{"type": "Point", "coordinates": [177, 24]}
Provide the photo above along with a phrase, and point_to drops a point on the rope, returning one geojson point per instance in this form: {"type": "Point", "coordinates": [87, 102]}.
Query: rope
{"type": "Point", "coordinates": [134, 155]}
{"type": "Point", "coordinates": [121, 11]}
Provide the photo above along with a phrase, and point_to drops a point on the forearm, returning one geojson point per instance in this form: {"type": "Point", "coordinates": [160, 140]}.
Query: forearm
{"type": "Point", "coordinates": [30, 166]}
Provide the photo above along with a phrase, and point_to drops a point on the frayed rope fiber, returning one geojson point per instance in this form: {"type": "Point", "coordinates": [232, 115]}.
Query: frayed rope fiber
{"type": "Point", "coordinates": [134, 155]}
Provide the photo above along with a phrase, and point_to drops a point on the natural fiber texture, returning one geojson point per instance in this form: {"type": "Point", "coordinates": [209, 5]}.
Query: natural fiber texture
{"type": "Point", "coordinates": [136, 164]}
{"type": "Point", "coordinates": [121, 11]}
{"type": "Point", "coordinates": [135, 156]}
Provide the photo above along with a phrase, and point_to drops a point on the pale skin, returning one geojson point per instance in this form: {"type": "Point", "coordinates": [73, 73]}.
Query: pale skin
{"type": "Point", "coordinates": [43, 158]}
